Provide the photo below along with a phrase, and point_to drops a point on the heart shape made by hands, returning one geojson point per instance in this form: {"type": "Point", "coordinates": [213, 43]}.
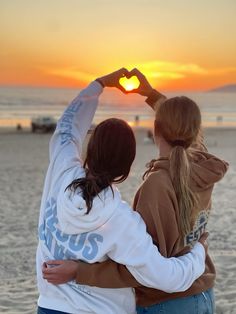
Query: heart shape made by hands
{"type": "Point", "coordinates": [129, 83]}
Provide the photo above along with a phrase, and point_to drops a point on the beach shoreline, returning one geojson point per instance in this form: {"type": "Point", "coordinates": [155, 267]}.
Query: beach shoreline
{"type": "Point", "coordinates": [23, 164]}
{"type": "Point", "coordinates": [27, 129]}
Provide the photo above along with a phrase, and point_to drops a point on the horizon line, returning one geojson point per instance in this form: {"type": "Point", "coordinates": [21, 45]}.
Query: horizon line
{"type": "Point", "coordinates": [212, 89]}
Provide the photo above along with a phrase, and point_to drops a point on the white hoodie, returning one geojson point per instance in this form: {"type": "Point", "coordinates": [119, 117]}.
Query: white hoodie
{"type": "Point", "coordinates": [110, 230]}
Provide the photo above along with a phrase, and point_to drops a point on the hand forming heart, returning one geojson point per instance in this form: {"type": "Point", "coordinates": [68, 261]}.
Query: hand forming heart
{"type": "Point", "coordinates": [129, 83]}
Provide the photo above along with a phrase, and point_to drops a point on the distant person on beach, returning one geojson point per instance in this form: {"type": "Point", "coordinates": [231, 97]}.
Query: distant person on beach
{"type": "Point", "coordinates": [19, 127]}
{"type": "Point", "coordinates": [83, 217]}
{"type": "Point", "coordinates": [175, 203]}
{"type": "Point", "coordinates": [136, 119]}
{"type": "Point", "coordinates": [149, 137]}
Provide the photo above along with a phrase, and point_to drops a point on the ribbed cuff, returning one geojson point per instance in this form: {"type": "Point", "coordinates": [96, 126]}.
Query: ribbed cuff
{"type": "Point", "coordinates": [155, 97]}
{"type": "Point", "coordinates": [100, 82]}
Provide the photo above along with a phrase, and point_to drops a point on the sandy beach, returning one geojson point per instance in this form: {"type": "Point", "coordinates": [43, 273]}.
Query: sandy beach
{"type": "Point", "coordinates": [23, 163]}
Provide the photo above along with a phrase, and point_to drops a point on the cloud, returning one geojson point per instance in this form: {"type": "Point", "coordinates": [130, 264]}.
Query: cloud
{"type": "Point", "coordinates": [170, 70]}
{"type": "Point", "coordinates": [154, 70]}
{"type": "Point", "coordinates": [222, 71]}
{"type": "Point", "coordinates": [72, 73]}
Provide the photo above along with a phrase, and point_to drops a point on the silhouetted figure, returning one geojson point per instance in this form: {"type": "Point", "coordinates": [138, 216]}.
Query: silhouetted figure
{"type": "Point", "coordinates": [19, 127]}
{"type": "Point", "coordinates": [136, 119]}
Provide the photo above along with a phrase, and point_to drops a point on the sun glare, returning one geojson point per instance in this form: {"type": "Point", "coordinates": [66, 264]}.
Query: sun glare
{"type": "Point", "coordinates": [129, 84]}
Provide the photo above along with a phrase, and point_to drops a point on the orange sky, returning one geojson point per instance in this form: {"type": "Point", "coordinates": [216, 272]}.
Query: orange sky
{"type": "Point", "coordinates": [179, 45]}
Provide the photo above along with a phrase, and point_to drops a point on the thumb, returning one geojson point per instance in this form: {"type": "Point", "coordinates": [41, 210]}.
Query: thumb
{"type": "Point", "coordinates": [135, 90]}
{"type": "Point", "coordinates": [44, 266]}
{"type": "Point", "coordinates": [204, 236]}
{"type": "Point", "coordinates": [137, 73]}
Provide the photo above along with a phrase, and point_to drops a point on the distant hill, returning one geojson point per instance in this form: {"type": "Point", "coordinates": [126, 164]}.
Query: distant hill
{"type": "Point", "coordinates": [231, 88]}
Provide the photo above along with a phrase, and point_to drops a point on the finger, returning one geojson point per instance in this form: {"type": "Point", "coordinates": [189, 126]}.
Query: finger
{"type": "Point", "coordinates": [122, 88]}
{"type": "Point", "coordinates": [123, 71]}
{"type": "Point", "coordinates": [48, 270]}
{"type": "Point", "coordinates": [55, 262]}
{"type": "Point", "coordinates": [56, 280]}
{"type": "Point", "coordinates": [204, 236]}
{"type": "Point", "coordinates": [136, 90]}
{"type": "Point", "coordinates": [129, 75]}
{"type": "Point", "coordinates": [49, 277]}
{"type": "Point", "coordinates": [136, 72]}
{"type": "Point", "coordinates": [44, 269]}
{"type": "Point", "coordinates": [44, 266]}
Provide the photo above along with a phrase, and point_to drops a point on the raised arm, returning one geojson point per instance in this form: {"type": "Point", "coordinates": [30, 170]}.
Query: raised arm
{"type": "Point", "coordinates": [74, 123]}
{"type": "Point", "coordinates": [145, 89]}
{"type": "Point", "coordinates": [154, 98]}
{"type": "Point", "coordinates": [72, 127]}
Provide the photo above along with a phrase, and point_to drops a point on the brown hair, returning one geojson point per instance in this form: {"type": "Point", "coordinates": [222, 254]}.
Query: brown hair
{"type": "Point", "coordinates": [110, 153]}
{"type": "Point", "coordinates": [178, 121]}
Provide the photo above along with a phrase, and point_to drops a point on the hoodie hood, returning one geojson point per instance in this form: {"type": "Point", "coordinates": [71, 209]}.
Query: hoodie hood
{"type": "Point", "coordinates": [206, 169]}
{"type": "Point", "coordinates": [72, 210]}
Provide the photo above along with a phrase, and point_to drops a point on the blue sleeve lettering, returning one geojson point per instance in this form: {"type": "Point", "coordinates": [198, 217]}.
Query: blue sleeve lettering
{"type": "Point", "coordinates": [90, 252]}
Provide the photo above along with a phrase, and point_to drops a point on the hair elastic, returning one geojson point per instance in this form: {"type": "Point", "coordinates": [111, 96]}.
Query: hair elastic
{"type": "Point", "coordinates": [179, 143]}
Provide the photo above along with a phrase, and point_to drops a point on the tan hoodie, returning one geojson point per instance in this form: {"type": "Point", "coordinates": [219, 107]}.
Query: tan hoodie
{"type": "Point", "coordinates": [156, 202]}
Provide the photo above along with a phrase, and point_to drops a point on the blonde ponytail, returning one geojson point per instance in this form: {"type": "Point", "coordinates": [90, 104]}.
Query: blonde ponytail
{"type": "Point", "coordinates": [180, 176]}
{"type": "Point", "coordinates": [178, 121]}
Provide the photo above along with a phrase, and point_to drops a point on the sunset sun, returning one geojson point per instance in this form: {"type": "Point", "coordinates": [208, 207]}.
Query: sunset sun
{"type": "Point", "coordinates": [129, 84]}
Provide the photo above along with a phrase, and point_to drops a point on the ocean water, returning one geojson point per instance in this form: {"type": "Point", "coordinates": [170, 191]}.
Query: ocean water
{"type": "Point", "coordinates": [20, 105]}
